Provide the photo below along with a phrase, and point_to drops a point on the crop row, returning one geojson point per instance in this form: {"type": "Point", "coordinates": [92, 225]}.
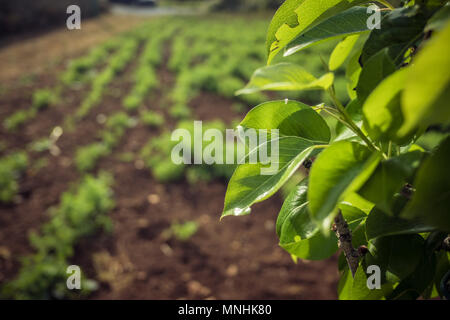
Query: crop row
{"type": "Point", "coordinates": [86, 157]}
{"type": "Point", "coordinates": [78, 71]}
{"type": "Point", "coordinates": [11, 168]}
{"type": "Point", "coordinates": [81, 212]}
{"type": "Point", "coordinates": [157, 154]}
{"type": "Point", "coordinates": [145, 77]}
{"type": "Point", "coordinates": [117, 64]}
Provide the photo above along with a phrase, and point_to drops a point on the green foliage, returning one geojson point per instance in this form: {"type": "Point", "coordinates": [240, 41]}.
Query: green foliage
{"type": "Point", "coordinates": [145, 77]}
{"type": "Point", "coordinates": [432, 189]}
{"type": "Point", "coordinates": [285, 76]}
{"type": "Point", "coordinates": [157, 153]}
{"type": "Point", "coordinates": [82, 69]}
{"type": "Point", "coordinates": [294, 18]}
{"type": "Point", "coordinates": [152, 119]}
{"type": "Point", "coordinates": [367, 161]}
{"type": "Point", "coordinates": [42, 99]}
{"type": "Point", "coordinates": [156, 156]}
{"type": "Point", "coordinates": [340, 169]}
{"type": "Point", "coordinates": [180, 111]}
{"type": "Point", "coordinates": [292, 118]}
{"type": "Point", "coordinates": [116, 64]}
{"type": "Point", "coordinates": [426, 92]}
{"type": "Point", "coordinates": [298, 234]}
{"type": "Point", "coordinates": [15, 120]}
{"type": "Point", "coordinates": [401, 29]}
{"type": "Point", "coordinates": [80, 213]}
{"type": "Point", "coordinates": [349, 22]}
{"type": "Point", "coordinates": [11, 168]}
{"type": "Point", "coordinates": [86, 157]}
{"type": "Point", "coordinates": [182, 231]}
{"type": "Point", "coordinates": [40, 145]}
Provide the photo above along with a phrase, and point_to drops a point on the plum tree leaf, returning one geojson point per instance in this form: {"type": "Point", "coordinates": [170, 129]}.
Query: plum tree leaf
{"type": "Point", "coordinates": [350, 288]}
{"type": "Point", "coordinates": [377, 68]}
{"type": "Point", "coordinates": [401, 29]}
{"type": "Point", "coordinates": [248, 185]}
{"type": "Point", "coordinates": [382, 111]}
{"type": "Point", "coordinates": [379, 224]}
{"type": "Point", "coordinates": [298, 234]}
{"type": "Point", "coordinates": [349, 22]}
{"type": "Point", "coordinates": [285, 76]}
{"type": "Point", "coordinates": [427, 88]}
{"type": "Point", "coordinates": [389, 178]}
{"type": "Point", "coordinates": [341, 168]}
{"type": "Point", "coordinates": [432, 196]}
{"type": "Point", "coordinates": [439, 19]}
{"type": "Point", "coordinates": [342, 51]}
{"type": "Point", "coordinates": [292, 118]}
{"type": "Point", "coordinates": [397, 256]}
{"type": "Point", "coordinates": [309, 13]}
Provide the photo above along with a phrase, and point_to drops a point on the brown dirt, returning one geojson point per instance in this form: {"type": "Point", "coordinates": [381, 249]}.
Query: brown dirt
{"type": "Point", "coordinates": [237, 258]}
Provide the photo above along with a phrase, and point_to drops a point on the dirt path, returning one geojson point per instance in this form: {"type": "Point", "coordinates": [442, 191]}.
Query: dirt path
{"type": "Point", "coordinates": [38, 54]}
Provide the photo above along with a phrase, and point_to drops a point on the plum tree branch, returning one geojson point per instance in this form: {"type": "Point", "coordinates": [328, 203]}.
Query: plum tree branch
{"type": "Point", "coordinates": [446, 244]}
{"type": "Point", "coordinates": [344, 234]}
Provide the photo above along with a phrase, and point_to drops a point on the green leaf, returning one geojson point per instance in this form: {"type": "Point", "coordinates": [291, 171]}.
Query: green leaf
{"type": "Point", "coordinates": [443, 266]}
{"type": "Point", "coordinates": [356, 288]}
{"type": "Point", "coordinates": [284, 15]}
{"type": "Point", "coordinates": [292, 118]}
{"type": "Point", "coordinates": [309, 13]}
{"type": "Point", "coordinates": [352, 215]}
{"type": "Point", "coordinates": [431, 199]}
{"type": "Point", "coordinates": [342, 51]}
{"type": "Point", "coordinates": [248, 185]}
{"type": "Point", "coordinates": [298, 234]}
{"type": "Point", "coordinates": [382, 111]}
{"type": "Point", "coordinates": [378, 224]}
{"type": "Point", "coordinates": [439, 19]}
{"type": "Point", "coordinates": [427, 88]}
{"type": "Point", "coordinates": [377, 68]}
{"type": "Point", "coordinates": [415, 284]}
{"type": "Point", "coordinates": [349, 22]}
{"type": "Point", "coordinates": [356, 200]}
{"type": "Point", "coordinates": [397, 256]}
{"type": "Point", "coordinates": [340, 169]}
{"type": "Point", "coordinates": [352, 73]}
{"type": "Point", "coordinates": [389, 178]}
{"type": "Point", "coordinates": [400, 30]}
{"type": "Point", "coordinates": [285, 76]}
{"type": "Point", "coordinates": [295, 202]}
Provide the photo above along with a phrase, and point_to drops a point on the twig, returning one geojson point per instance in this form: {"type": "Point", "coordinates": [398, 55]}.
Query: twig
{"type": "Point", "coordinates": [446, 244]}
{"type": "Point", "coordinates": [344, 235]}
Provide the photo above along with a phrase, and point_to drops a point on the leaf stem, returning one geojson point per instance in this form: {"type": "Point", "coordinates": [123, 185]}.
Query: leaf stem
{"type": "Point", "coordinates": [349, 121]}
{"type": "Point", "coordinates": [387, 4]}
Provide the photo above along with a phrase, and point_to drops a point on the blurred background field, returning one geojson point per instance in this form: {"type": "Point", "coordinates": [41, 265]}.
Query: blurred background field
{"type": "Point", "coordinates": [85, 171]}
